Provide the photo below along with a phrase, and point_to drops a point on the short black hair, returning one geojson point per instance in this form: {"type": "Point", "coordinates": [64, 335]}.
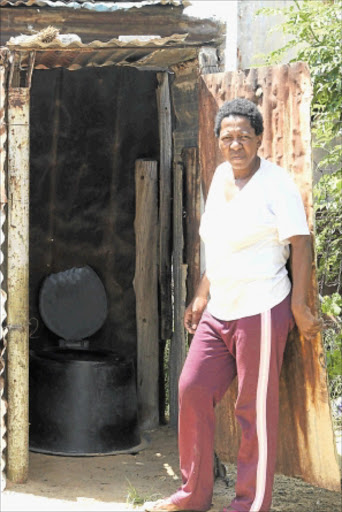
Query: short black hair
{"type": "Point", "coordinates": [240, 107]}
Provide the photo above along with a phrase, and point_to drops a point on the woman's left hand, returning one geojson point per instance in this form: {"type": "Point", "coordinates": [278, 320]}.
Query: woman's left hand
{"type": "Point", "coordinates": [308, 325]}
{"type": "Point", "coordinates": [301, 263]}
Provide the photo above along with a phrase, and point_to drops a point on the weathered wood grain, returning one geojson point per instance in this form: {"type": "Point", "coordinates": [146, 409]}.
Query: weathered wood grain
{"type": "Point", "coordinates": [146, 290]}
{"type": "Point", "coordinates": [177, 348]}
{"type": "Point", "coordinates": [192, 211]}
{"type": "Point", "coordinates": [165, 135]}
{"type": "Point", "coordinates": [184, 91]}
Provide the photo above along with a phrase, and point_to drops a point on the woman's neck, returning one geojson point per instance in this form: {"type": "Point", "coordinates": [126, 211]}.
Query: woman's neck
{"type": "Point", "coordinates": [246, 174]}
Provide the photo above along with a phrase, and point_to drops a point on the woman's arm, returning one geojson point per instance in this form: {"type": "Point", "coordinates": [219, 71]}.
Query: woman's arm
{"type": "Point", "coordinates": [196, 307]}
{"type": "Point", "coordinates": [301, 263]}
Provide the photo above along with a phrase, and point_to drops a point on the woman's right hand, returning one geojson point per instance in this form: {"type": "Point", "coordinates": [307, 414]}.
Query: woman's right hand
{"type": "Point", "coordinates": [193, 313]}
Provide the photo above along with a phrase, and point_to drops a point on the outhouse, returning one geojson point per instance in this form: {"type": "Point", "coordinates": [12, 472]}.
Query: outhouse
{"type": "Point", "coordinates": [107, 152]}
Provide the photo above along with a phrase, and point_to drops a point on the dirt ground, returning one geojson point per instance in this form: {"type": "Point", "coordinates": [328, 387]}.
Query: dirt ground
{"type": "Point", "coordinates": [121, 482]}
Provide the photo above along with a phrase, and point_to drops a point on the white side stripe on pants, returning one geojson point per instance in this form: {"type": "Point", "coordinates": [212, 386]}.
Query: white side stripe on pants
{"type": "Point", "coordinates": [264, 370]}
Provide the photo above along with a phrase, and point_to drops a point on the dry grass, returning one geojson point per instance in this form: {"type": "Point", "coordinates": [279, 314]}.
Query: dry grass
{"type": "Point", "coordinates": [48, 35]}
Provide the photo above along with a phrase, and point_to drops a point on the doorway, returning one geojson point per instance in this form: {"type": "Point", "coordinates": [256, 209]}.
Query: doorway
{"type": "Point", "coordinates": [87, 128]}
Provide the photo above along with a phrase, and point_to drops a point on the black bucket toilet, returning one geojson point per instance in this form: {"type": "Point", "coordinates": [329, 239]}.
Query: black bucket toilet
{"type": "Point", "coordinates": [82, 401]}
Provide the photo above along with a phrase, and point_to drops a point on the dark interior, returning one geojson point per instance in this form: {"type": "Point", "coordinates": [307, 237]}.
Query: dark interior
{"type": "Point", "coordinates": [87, 129]}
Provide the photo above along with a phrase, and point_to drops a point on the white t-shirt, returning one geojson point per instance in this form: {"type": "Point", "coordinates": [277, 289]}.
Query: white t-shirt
{"type": "Point", "coordinates": [246, 240]}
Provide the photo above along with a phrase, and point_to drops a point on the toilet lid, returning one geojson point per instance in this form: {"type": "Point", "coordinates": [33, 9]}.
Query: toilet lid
{"type": "Point", "coordinates": [73, 303]}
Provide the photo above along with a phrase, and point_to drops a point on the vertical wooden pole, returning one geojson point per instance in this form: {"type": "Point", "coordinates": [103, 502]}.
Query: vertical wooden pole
{"type": "Point", "coordinates": [165, 185]}
{"type": "Point", "coordinates": [165, 168]}
{"type": "Point", "coordinates": [18, 284]}
{"type": "Point", "coordinates": [146, 291]}
{"type": "Point", "coordinates": [192, 207]}
{"type": "Point", "coordinates": [177, 348]}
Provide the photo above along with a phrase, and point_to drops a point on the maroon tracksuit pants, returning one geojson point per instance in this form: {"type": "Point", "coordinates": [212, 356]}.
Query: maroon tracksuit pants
{"type": "Point", "coordinates": [251, 348]}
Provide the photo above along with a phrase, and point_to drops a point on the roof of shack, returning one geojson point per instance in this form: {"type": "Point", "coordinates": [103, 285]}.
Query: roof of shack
{"type": "Point", "coordinates": [148, 35]}
{"type": "Point", "coordinates": [68, 51]}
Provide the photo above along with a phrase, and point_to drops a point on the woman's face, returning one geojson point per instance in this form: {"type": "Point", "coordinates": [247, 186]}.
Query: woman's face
{"type": "Point", "coordinates": [238, 143]}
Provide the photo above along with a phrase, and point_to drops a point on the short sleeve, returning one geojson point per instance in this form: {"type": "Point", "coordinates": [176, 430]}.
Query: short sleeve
{"type": "Point", "coordinates": [215, 192]}
{"type": "Point", "coordinates": [208, 224]}
{"type": "Point", "coordinates": [288, 207]}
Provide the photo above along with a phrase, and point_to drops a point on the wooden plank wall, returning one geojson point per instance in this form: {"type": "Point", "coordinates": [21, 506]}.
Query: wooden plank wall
{"type": "Point", "coordinates": [306, 444]}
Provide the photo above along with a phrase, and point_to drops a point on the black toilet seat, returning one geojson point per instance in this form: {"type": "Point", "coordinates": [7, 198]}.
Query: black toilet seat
{"type": "Point", "coordinates": [73, 303]}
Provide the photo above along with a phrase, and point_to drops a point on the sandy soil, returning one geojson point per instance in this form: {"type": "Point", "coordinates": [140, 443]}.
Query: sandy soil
{"type": "Point", "coordinates": [121, 482]}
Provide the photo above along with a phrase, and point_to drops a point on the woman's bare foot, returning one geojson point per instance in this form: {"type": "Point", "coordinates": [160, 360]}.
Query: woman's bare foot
{"type": "Point", "coordinates": [163, 505]}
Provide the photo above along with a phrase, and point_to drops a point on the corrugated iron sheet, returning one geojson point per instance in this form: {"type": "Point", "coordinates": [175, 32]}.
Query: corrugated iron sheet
{"type": "Point", "coordinates": [92, 6]}
{"type": "Point", "coordinates": [3, 294]}
{"type": "Point", "coordinates": [73, 41]}
{"type": "Point", "coordinates": [104, 26]}
{"type": "Point", "coordinates": [69, 52]}
{"type": "Point", "coordinates": [283, 94]}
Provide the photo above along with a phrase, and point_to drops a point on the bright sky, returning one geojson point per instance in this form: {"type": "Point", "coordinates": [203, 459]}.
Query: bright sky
{"type": "Point", "coordinates": [211, 8]}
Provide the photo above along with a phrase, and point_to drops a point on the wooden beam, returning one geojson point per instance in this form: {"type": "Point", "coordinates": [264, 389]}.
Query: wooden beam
{"type": "Point", "coordinates": [146, 289]}
{"type": "Point", "coordinates": [177, 348]}
{"type": "Point", "coordinates": [18, 285]}
{"type": "Point", "coordinates": [165, 135]}
{"type": "Point", "coordinates": [192, 208]}
{"type": "Point", "coordinates": [184, 90]}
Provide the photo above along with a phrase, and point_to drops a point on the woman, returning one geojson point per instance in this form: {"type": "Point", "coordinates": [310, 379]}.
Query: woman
{"type": "Point", "coordinates": [253, 214]}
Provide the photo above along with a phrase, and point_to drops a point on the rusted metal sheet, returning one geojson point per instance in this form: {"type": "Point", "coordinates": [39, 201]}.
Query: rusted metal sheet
{"type": "Point", "coordinates": [18, 283]}
{"type": "Point", "coordinates": [69, 52]}
{"type": "Point", "coordinates": [3, 294]}
{"type": "Point", "coordinates": [306, 442]}
{"type": "Point", "coordinates": [104, 25]}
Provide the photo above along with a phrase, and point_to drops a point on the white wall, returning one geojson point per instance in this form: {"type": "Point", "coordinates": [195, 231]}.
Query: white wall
{"type": "Point", "coordinates": [254, 32]}
{"type": "Point", "coordinates": [247, 34]}
{"type": "Point", "coordinates": [226, 11]}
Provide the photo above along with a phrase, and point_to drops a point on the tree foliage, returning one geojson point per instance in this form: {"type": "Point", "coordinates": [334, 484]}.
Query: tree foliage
{"type": "Point", "coordinates": [313, 29]}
